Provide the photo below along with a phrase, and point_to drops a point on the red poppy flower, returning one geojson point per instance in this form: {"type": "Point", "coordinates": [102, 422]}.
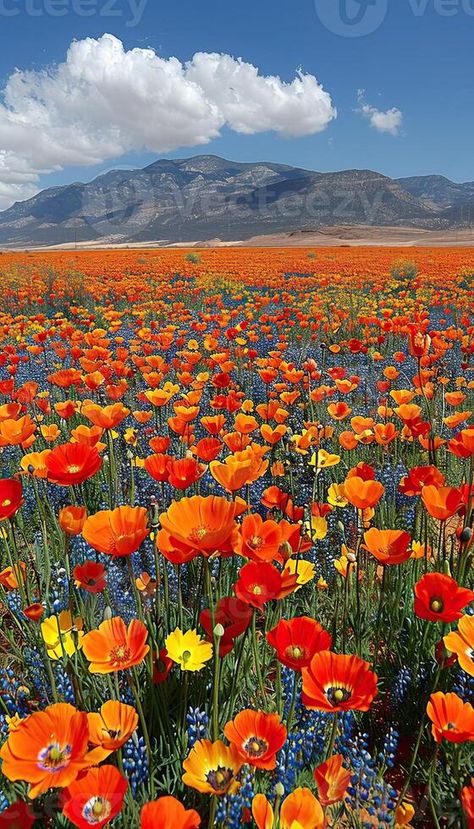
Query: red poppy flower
{"type": "Point", "coordinates": [259, 583]}
{"type": "Point", "coordinates": [72, 463]}
{"type": "Point", "coordinates": [162, 665]}
{"type": "Point", "coordinates": [11, 492]}
{"type": "Point", "coordinates": [95, 797]}
{"type": "Point", "coordinates": [90, 575]}
{"type": "Point", "coordinates": [335, 682]}
{"type": "Point", "coordinates": [257, 737]}
{"type": "Point", "coordinates": [420, 476]}
{"type": "Point", "coordinates": [34, 611]}
{"type": "Point", "coordinates": [234, 616]}
{"type": "Point", "coordinates": [17, 816]}
{"type": "Point", "coordinates": [208, 449]}
{"type": "Point", "coordinates": [439, 598]}
{"type": "Point", "coordinates": [297, 640]}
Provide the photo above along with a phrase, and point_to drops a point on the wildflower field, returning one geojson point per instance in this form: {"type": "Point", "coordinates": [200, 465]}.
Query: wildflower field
{"type": "Point", "coordinates": [236, 546]}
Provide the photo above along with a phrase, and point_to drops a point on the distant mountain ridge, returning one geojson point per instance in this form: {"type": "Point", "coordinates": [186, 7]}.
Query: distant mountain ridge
{"type": "Point", "coordinates": [207, 197]}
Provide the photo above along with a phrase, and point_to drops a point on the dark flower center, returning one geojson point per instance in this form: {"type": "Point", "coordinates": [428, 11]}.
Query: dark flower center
{"type": "Point", "coordinates": [337, 695]}
{"type": "Point", "coordinates": [220, 778]}
{"type": "Point", "coordinates": [255, 747]}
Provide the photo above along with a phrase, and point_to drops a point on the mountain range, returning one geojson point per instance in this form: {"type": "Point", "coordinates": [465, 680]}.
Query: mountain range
{"type": "Point", "coordinates": [207, 197]}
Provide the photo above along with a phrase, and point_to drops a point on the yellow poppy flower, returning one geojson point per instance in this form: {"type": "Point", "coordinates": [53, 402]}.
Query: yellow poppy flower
{"type": "Point", "coordinates": [305, 571]}
{"type": "Point", "coordinates": [62, 634]}
{"type": "Point", "coordinates": [322, 459]}
{"type": "Point", "coordinates": [188, 650]}
{"type": "Point", "coordinates": [337, 495]}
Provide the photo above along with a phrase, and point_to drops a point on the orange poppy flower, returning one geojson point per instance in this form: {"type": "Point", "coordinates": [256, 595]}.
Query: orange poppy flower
{"type": "Point", "coordinates": [184, 472]}
{"type": "Point", "coordinates": [200, 525]}
{"type": "Point", "coordinates": [461, 642]}
{"type": "Point", "coordinates": [110, 728]}
{"type": "Point", "coordinates": [452, 719]}
{"type": "Point", "coordinates": [47, 749]}
{"type": "Point", "coordinates": [232, 474]}
{"type": "Point", "coordinates": [117, 532]}
{"type": "Point", "coordinates": [300, 808]}
{"type": "Point", "coordinates": [260, 540]}
{"type": "Point", "coordinates": [385, 433]}
{"type": "Point", "coordinates": [114, 647]}
{"type": "Point", "coordinates": [142, 416]}
{"type": "Point", "coordinates": [363, 494]}
{"type": "Point", "coordinates": [441, 502]}
{"type": "Point", "coordinates": [16, 432]}
{"type": "Point", "coordinates": [157, 466]}
{"type": "Point", "coordinates": [419, 477]}
{"type": "Point", "coordinates": [339, 411]}
{"type": "Point", "coordinates": [335, 682]}
{"type": "Point", "coordinates": [66, 409]}
{"type": "Point", "coordinates": [35, 463]}
{"type": "Point", "coordinates": [418, 343]}
{"type": "Point", "coordinates": [236, 442]}
{"type": "Point", "coordinates": [467, 800]}
{"type": "Point", "coordinates": [168, 813]}
{"type": "Point", "coordinates": [212, 768]}
{"type": "Point", "coordinates": [462, 444]}
{"type": "Point", "coordinates": [95, 797]}
{"type": "Point", "coordinates": [213, 424]}
{"type": "Point", "coordinates": [12, 577]}
{"type": "Point", "coordinates": [257, 737]}
{"type": "Point", "coordinates": [72, 463]}
{"type": "Point", "coordinates": [388, 546]}
{"type": "Point", "coordinates": [456, 419]}
{"type": "Point", "coordinates": [332, 780]}
{"type": "Point", "coordinates": [106, 417]}
{"type": "Point", "coordinates": [348, 440]}
{"type": "Point", "coordinates": [89, 435]}
{"type": "Point", "coordinates": [72, 519]}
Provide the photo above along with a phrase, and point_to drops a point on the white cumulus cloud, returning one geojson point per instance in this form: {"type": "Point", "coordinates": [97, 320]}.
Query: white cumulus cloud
{"type": "Point", "coordinates": [389, 121]}
{"type": "Point", "coordinates": [104, 101]}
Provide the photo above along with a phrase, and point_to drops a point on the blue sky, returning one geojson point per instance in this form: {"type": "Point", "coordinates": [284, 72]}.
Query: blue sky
{"type": "Point", "coordinates": [418, 61]}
